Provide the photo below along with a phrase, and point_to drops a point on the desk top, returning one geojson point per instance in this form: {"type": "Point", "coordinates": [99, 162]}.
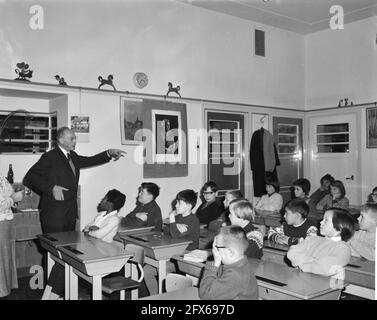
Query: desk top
{"type": "Point", "coordinates": [294, 282]}
{"type": "Point", "coordinates": [134, 230]}
{"type": "Point", "coordinates": [59, 239]}
{"type": "Point", "coordinates": [266, 213]}
{"type": "Point", "coordinates": [267, 244]}
{"type": "Point", "coordinates": [190, 293]}
{"type": "Point", "coordinates": [284, 279]}
{"type": "Point", "coordinates": [155, 240]}
{"type": "Point", "coordinates": [361, 266]}
{"type": "Point", "coordinates": [94, 250]}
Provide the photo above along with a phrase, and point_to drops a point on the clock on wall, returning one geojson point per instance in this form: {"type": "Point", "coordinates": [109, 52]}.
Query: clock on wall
{"type": "Point", "coordinates": [140, 80]}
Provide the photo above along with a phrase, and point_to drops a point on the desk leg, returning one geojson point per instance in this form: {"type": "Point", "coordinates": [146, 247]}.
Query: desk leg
{"type": "Point", "coordinates": [73, 284]}
{"type": "Point", "coordinates": [97, 288]}
{"type": "Point", "coordinates": [67, 280]}
{"type": "Point", "coordinates": [161, 274]}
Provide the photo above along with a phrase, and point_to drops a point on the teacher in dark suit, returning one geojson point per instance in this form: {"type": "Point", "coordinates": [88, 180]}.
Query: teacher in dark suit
{"type": "Point", "coordinates": [55, 177]}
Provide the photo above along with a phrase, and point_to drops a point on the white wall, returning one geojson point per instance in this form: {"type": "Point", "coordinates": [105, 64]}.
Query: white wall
{"type": "Point", "coordinates": [209, 54]}
{"type": "Point", "coordinates": [341, 64]}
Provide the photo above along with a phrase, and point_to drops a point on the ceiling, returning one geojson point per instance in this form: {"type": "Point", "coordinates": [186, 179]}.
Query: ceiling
{"type": "Point", "coordinates": [301, 16]}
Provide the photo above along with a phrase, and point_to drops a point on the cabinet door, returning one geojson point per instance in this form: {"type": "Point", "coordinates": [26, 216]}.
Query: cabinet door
{"type": "Point", "coordinates": [288, 139]}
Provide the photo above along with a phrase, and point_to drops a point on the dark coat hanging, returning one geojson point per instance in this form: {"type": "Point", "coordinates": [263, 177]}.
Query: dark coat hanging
{"type": "Point", "coordinates": [257, 163]}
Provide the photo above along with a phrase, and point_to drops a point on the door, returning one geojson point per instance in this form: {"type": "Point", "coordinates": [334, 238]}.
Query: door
{"type": "Point", "coordinates": [333, 146]}
{"type": "Point", "coordinates": [288, 139]}
{"type": "Point", "coordinates": [225, 151]}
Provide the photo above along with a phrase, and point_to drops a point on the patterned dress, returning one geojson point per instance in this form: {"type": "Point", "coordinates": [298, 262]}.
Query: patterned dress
{"type": "Point", "coordinates": [8, 271]}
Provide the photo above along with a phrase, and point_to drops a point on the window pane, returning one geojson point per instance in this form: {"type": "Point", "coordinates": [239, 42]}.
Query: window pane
{"type": "Point", "coordinates": [332, 138]}
{"type": "Point", "coordinates": [287, 128]}
{"type": "Point", "coordinates": [329, 148]}
{"type": "Point", "coordinates": [333, 128]}
{"type": "Point", "coordinates": [287, 149]}
{"type": "Point", "coordinates": [287, 139]}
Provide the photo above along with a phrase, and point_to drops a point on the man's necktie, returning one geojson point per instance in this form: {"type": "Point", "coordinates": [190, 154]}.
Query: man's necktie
{"type": "Point", "coordinates": [71, 164]}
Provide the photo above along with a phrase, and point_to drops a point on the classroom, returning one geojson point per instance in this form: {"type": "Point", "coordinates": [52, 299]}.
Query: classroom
{"type": "Point", "coordinates": [150, 148]}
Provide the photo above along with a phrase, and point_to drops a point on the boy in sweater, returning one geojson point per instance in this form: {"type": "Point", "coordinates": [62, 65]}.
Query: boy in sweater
{"type": "Point", "coordinates": [329, 254]}
{"type": "Point", "coordinates": [242, 214]}
{"type": "Point", "coordinates": [147, 212]}
{"type": "Point", "coordinates": [363, 243]}
{"type": "Point", "coordinates": [182, 223]}
{"type": "Point", "coordinates": [230, 276]}
{"type": "Point", "coordinates": [296, 227]}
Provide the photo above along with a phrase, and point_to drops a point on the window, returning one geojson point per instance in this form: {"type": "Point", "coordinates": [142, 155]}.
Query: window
{"type": "Point", "coordinates": [288, 141]}
{"type": "Point", "coordinates": [27, 132]}
{"type": "Point", "coordinates": [332, 138]}
{"type": "Point", "coordinates": [259, 42]}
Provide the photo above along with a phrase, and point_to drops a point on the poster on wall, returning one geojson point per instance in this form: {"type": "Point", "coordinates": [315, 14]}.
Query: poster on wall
{"type": "Point", "coordinates": [131, 115]}
{"type": "Point", "coordinates": [80, 124]}
{"type": "Point", "coordinates": [166, 136]}
{"type": "Point", "coordinates": [371, 117]}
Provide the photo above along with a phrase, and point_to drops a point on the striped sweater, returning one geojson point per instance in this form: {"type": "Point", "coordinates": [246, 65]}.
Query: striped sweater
{"type": "Point", "coordinates": [294, 233]}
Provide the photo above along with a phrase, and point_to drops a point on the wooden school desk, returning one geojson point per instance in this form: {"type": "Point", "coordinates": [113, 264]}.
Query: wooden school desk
{"type": "Point", "coordinates": [267, 218]}
{"type": "Point", "coordinates": [360, 273]}
{"type": "Point", "coordinates": [159, 248]}
{"type": "Point", "coordinates": [52, 242]}
{"type": "Point", "coordinates": [274, 252]}
{"type": "Point", "coordinates": [190, 293]}
{"type": "Point", "coordinates": [91, 260]}
{"type": "Point", "coordinates": [131, 230]}
{"type": "Point", "coordinates": [279, 282]}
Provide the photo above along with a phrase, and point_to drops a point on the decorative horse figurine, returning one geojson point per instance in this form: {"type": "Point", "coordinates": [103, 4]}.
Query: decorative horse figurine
{"type": "Point", "coordinates": [173, 89]}
{"type": "Point", "coordinates": [23, 71]}
{"type": "Point", "coordinates": [61, 80]}
{"type": "Point", "coordinates": [108, 81]}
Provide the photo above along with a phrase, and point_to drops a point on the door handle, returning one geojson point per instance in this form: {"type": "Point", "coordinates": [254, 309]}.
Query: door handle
{"type": "Point", "coordinates": [350, 178]}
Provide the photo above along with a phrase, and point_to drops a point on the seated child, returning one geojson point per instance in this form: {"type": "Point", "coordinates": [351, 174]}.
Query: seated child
{"type": "Point", "coordinates": [182, 223]}
{"type": "Point", "coordinates": [147, 212]}
{"type": "Point", "coordinates": [363, 243]}
{"type": "Point", "coordinates": [105, 225]}
{"type": "Point", "coordinates": [372, 198]}
{"type": "Point", "coordinates": [230, 195]}
{"type": "Point", "coordinates": [336, 198]}
{"type": "Point", "coordinates": [301, 189]}
{"type": "Point", "coordinates": [230, 276]}
{"type": "Point", "coordinates": [272, 201]}
{"type": "Point", "coordinates": [329, 254]}
{"type": "Point", "coordinates": [242, 215]}
{"type": "Point", "coordinates": [323, 190]}
{"type": "Point", "coordinates": [296, 227]}
{"type": "Point", "coordinates": [209, 210]}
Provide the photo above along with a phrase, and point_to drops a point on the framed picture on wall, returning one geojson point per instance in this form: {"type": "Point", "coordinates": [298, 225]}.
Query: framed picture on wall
{"type": "Point", "coordinates": [80, 124]}
{"type": "Point", "coordinates": [131, 121]}
{"type": "Point", "coordinates": [166, 136]}
{"type": "Point", "coordinates": [371, 116]}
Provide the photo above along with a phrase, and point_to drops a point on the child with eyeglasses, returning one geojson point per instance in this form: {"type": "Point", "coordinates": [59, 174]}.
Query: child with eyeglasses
{"type": "Point", "coordinates": [209, 210]}
{"type": "Point", "coordinates": [231, 275]}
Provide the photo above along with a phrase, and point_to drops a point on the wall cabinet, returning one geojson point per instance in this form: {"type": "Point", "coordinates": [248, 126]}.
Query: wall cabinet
{"type": "Point", "coordinates": [22, 132]}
